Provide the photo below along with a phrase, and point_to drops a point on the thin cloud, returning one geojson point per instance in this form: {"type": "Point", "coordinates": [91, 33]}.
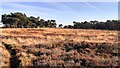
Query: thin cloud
{"type": "Point", "coordinates": [42, 10]}
{"type": "Point", "coordinates": [26, 7]}
{"type": "Point", "coordinates": [59, 5]}
{"type": "Point", "coordinates": [91, 5]}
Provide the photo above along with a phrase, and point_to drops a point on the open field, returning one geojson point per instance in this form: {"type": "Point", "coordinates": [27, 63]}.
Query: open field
{"type": "Point", "coordinates": [59, 47]}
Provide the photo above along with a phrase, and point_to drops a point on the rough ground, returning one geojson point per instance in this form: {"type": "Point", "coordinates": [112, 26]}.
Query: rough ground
{"type": "Point", "coordinates": [58, 47]}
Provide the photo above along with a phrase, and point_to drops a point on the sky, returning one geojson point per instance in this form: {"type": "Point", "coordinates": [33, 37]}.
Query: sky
{"type": "Point", "coordinates": [64, 12]}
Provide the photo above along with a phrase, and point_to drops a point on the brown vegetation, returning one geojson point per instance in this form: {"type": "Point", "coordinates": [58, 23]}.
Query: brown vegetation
{"type": "Point", "coordinates": [60, 47]}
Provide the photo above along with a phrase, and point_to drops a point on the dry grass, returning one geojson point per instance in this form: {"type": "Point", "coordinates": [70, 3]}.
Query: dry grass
{"type": "Point", "coordinates": [57, 46]}
{"type": "Point", "coordinates": [50, 35]}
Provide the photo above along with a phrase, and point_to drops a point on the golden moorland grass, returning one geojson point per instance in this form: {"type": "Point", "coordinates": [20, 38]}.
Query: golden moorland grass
{"type": "Point", "coordinates": [53, 45]}
{"type": "Point", "coordinates": [49, 35]}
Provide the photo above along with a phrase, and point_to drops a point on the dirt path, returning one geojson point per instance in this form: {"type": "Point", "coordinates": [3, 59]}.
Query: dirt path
{"type": "Point", "coordinates": [14, 61]}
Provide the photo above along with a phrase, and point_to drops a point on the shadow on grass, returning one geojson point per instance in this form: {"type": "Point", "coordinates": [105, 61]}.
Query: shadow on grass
{"type": "Point", "coordinates": [14, 61]}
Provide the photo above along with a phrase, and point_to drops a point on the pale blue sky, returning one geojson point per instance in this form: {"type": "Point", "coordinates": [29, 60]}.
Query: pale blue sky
{"type": "Point", "coordinates": [65, 12]}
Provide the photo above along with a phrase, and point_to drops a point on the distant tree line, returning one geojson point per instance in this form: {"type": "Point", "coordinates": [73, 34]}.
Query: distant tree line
{"type": "Point", "coordinates": [20, 20]}
{"type": "Point", "coordinates": [108, 25]}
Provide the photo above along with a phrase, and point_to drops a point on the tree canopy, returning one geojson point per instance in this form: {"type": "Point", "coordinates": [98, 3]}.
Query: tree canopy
{"type": "Point", "coordinates": [20, 20]}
